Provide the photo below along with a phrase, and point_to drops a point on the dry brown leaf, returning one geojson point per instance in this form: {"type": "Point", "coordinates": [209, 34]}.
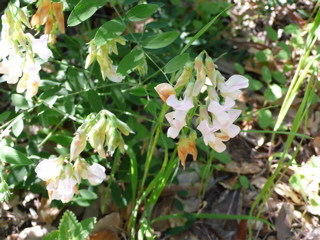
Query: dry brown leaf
{"type": "Point", "coordinates": [283, 221]}
{"type": "Point", "coordinates": [104, 236]}
{"type": "Point", "coordinates": [110, 222]}
{"type": "Point", "coordinates": [259, 182]}
{"type": "Point", "coordinates": [286, 191]}
{"type": "Point", "coordinates": [242, 168]}
{"type": "Point", "coordinates": [46, 213]}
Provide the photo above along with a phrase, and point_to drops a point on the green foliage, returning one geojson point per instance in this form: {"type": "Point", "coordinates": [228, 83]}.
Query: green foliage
{"type": "Point", "coordinates": [13, 156]}
{"type": "Point", "coordinates": [70, 228]}
{"type": "Point", "coordinates": [176, 63]}
{"type": "Point", "coordinates": [140, 12]}
{"type": "Point", "coordinates": [83, 10]}
{"type": "Point", "coordinates": [160, 40]}
{"type": "Point", "coordinates": [109, 31]}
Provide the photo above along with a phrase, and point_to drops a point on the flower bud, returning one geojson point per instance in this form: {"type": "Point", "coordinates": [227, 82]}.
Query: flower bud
{"type": "Point", "coordinates": [78, 144]}
{"type": "Point", "coordinates": [49, 25]}
{"type": "Point", "coordinates": [164, 90]}
{"type": "Point", "coordinates": [58, 12]}
{"type": "Point", "coordinates": [115, 140]}
{"type": "Point", "coordinates": [187, 146]}
{"type": "Point", "coordinates": [189, 90]}
{"type": "Point", "coordinates": [23, 17]}
{"type": "Point", "coordinates": [185, 76]}
{"type": "Point", "coordinates": [123, 127]}
{"type": "Point", "coordinates": [211, 71]}
{"type": "Point", "coordinates": [92, 54]}
{"type": "Point", "coordinates": [97, 136]}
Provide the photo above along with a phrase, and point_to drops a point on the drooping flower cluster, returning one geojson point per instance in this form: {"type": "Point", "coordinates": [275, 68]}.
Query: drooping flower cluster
{"type": "Point", "coordinates": [63, 177]}
{"type": "Point", "coordinates": [216, 116]}
{"type": "Point", "coordinates": [101, 53]}
{"type": "Point", "coordinates": [102, 130]}
{"type": "Point", "coordinates": [50, 14]}
{"type": "Point", "coordinates": [18, 50]}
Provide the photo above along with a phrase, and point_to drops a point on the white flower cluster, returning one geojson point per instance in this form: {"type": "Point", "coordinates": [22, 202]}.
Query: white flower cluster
{"type": "Point", "coordinates": [17, 51]}
{"type": "Point", "coordinates": [216, 127]}
{"type": "Point", "coordinates": [62, 180]}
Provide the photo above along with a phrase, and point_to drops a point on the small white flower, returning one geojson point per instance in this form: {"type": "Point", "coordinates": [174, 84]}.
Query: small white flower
{"type": "Point", "coordinates": [96, 174]}
{"type": "Point", "coordinates": [177, 122]}
{"type": "Point", "coordinates": [184, 105]}
{"type": "Point", "coordinates": [49, 169]}
{"type": "Point", "coordinates": [216, 108]}
{"type": "Point", "coordinates": [207, 130]}
{"type": "Point", "coordinates": [40, 47]}
{"type": "Point", "coordinates": [12, 67]}
{"type": "Point", "coordinates": [66, 188]}
{"type": "Point", "coordinates": [231, 87]}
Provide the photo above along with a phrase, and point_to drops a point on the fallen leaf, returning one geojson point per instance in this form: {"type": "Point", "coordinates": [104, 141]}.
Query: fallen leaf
{"type": "Point", "coordinates": [104, 236]}
{"type": "Point", "coordinates": [110, 222]}
{"type": "Point", "coordinates": [286, 191]}
{"type": "Point", "coordinates": [242, 168]}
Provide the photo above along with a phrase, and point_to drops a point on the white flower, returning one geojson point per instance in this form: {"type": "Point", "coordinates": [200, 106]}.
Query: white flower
{"type": "Point", "coordinates": [216, 108]}
{"type": "Point", "coordinates": [5, 49]}
{"type": "Point", "coordinates": [40, 46]}
{"type": "Point", "coordinates": [231, 87]}
{"type": "Point", "coordinates": [12, 67]}
{"type": "Point", "coordinates": [95, 174]}
{"type": "Point", "coordinates": [184, 105]}
{"type": "Point", "coordinates": [218, 144]}
{"type": "Point", "coordinates": [207, 130]}
{"type": "Point", "coordinates": [177, 122]}
{"type": "Point", "coordinates": [66, 188]}
{"type": "Point", "coordinates": [227, 122]}
{"type": "Point", "coordinates": [49, 169]}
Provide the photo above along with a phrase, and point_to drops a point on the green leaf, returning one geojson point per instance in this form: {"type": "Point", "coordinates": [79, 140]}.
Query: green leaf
{"type": "Point", "coordinates": [279, 77]}
{"type": "Point", "coordinates": [292, 29]}
{"type": "Point", "coordinates": [19, 101]}
{"type": "Point", "coordinates": [67, 226]}
{"type": "Point", "coordinates": [141, 12]}
{"type": "Point", "coordinates": [83, 10]}
{"type": "Point", "coordinates": [64, 141]}
{"type": "Point", "coordinates": [273, 93]}
{"type": "Point", "coordinates": [223, 157]}
{"type": "Point", "coordinates": [261, 57]}
{"type": "Point", "coordinates": [12, 156]}
{"type": "Point", "coordinates": [141, 92]}
{"type": "Point", "coordinates": [51, 100]}
{"type": "Point", "coordinates": [176, 63]}
{"type": "Point", "coordinates": [86, 227]}
{"type": "Point", "coordinates": [108, 31]}
{"type": "Point", "coordinates": [239, 68]}
{"type": "Point", "coordinates": [4, 116]}
{"type": "Point", "coordinates": [69, 104]}
{"type": "Point", "coordinates": [88, 194]}
{"type": "Point", "coordinates": [272, 34]}
{"type": "Point", "coordinates": [254, 84]}
{"type": "Point", "coordinates": [88, 224]}
{"type": "Point", "coordinates": [17, 127]}
{"type": "Point", "coordinates": [266, 74]}
{"type": "Point", "coordinates": [264, 118]}
{"type": "Point", "coordinates": [160, 40]}
{"type": "Point", "coordinates": [130, 62]}
{"type": "Point", "coordinates": [51, 235]}
{"type": "Point", "coordinates": [94, 100]}
{"type": "Point", "coordinates": [244, 182]}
